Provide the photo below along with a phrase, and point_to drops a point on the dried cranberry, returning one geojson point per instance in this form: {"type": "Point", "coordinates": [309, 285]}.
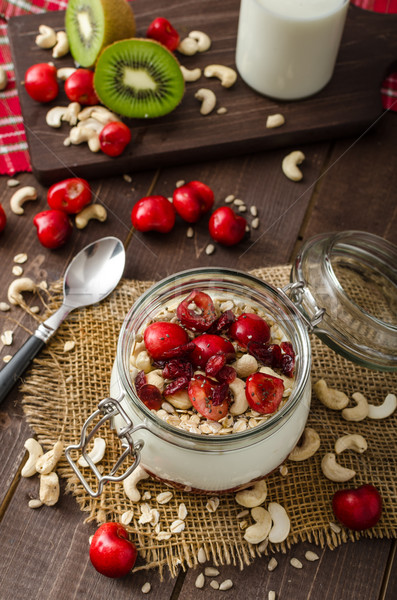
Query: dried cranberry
{"type": "Point", "coordinates": [223, 322]}
{"type": "Point", "coordinates": [226, 375]}
{"type": "Point", "coordinates": [287, 365]}
{"type": "Point", "coordinates": [287, 348]}
{"type": "Point", "coordinates": [150, 396]}
{"type": "Point", "coordinates": [177, 367]}
{"type": "Point", "coordinates": [197, 311]}
{"type": "Point", "coordinates": [215, 364]}
{"type": "Point", "coordinates": [181, 383]}
{"type": "Point", "coordinates": [180, 351]}
{"type": "Point", "coordinates": [140, 380]}
{"type": "Point", "coordinates": [268, 354]}
{"type": "Point", "coordinates": [219, 394]}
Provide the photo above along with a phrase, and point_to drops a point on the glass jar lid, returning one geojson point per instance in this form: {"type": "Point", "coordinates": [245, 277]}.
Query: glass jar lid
{"type": "Point", "coordinates": [352, 277]}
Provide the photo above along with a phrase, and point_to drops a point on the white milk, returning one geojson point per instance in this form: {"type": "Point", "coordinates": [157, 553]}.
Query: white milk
{"type": "Point", "coordinates": [287, 49]}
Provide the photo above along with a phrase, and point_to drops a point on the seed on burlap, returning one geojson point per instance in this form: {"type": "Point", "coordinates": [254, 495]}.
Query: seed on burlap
{"type": "Point", "coordinates": [201, 557]}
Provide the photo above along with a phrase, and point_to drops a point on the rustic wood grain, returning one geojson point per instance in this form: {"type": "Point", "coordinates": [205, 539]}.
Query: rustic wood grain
{"type": "Point", "coordinates": [349, 103]}
{"type": "Point", "coordinates": [346, 572]}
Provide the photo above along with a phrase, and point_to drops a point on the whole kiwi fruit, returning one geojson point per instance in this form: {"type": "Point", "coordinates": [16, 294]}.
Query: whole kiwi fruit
{"type": "Point", "coordinates": [138, 78]}
{"type": "Point", "coordinates": [91, 25]}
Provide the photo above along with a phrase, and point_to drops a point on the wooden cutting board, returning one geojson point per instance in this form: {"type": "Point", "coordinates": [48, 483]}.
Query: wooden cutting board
{"type": "Point", "coordinates": [349, 105]}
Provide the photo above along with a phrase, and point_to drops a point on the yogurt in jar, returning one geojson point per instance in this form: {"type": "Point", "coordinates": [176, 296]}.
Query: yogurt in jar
{"type": "Point", "coordinates": [188, 450]}
{"type": "Point", "coordinates": [286, 49]}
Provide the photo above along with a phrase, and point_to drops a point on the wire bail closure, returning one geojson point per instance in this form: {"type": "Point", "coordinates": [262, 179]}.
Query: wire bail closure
{"type": "Point", "coordinates": [295, 291]}
{"type": "Point", "coordinates": [109, 408]}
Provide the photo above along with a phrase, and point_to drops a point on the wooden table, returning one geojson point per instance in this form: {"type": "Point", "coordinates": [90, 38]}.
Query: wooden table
{"type": "Point", "coordinates": [347, 184]}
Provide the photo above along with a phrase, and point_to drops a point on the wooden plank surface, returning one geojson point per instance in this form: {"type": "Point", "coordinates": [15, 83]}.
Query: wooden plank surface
{"type": "Point", "coordinates": [348, 104]}
{"type": "Point", "coordinates": [348, 184]}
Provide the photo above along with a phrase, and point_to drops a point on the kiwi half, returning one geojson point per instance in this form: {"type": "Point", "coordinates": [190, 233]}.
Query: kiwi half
{"type": "Point", "coordinates": [139, 78]}
{"type": "Point", "coordinates": [91, 25]}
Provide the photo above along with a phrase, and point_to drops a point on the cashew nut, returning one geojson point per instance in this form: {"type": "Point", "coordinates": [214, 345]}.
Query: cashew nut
{"type": "Point", "coordinates": [227, 75]}
{"type": "Point", "coordinates": [260, 530]}
{"type": "Point", "coordinates": [202, 39]}
{"type": "Point", "coordinates": [54, 116]}
{"type": "Point", "coordinates": [71, 113]}
{"type": "Point", "coordinates": [64, 72]}
{"type": "Point", "coordinates": [307, 445]}
{"type": "Point", "coordinates": [281, 523]}
{"type": "Point", "coordinates": [275, 120]}
{"type": "Point", "coordinates": [138, 347]}
{"type": "Point", "coordinates": [179, 400]}
{"type": "Point", "coordinates": [62, 46]}
{"type": "Point", "coordinates": [47, 37]}
{"type": "Point", "coordinates": [23, 284]}
{"type": "Point", "coordinates": [207, 99]}
{"type": "Point", "coordinates": [252, 496]}
{"type": "Point", "coordinates": [35, 451]}
{"type": "Point", "coordinates": [80, 134]}
{"type": "Point", "coordinates": [382, 411]}
{"type": "Point", "coordinates": [352, 441]}
{"type": "Point", "coordinates": [104, 116]}
{"type": "Point", "coordinates": [330, 397]}
{"type": "Point", "coordinates": [131, 482]}
{"type": "Point", "coordinates": [21, 196]}
{"type": "Point", "coordinates": [143, 362]}
{"type": "Point", "coordinates": [290, 165]}
{"type": "Point", "coordinates": [3, 78]}
{"type": "Point", "coordinates": [96, 454]}
{"type": "Point", "coordinates": [155, 378]}
{"type": "Point", "coordinates": [92, 211]}
{"type": "Point", "coordinates": [240, 403]}
{"type": "Point", "coordinates": [49, 489]}
{"type": "Point", "coordinates": [48, 461]}
{"type": "Point", "coordinates": [190, 74]}
{"type": "Point", "coordinates": [358, 412]}
{"type": "Point", "coordinates": [333, 470]}
{"type": "Point", "coordinates": [246, 365]}
{"type": "Point", "coordinates": [188, 47]}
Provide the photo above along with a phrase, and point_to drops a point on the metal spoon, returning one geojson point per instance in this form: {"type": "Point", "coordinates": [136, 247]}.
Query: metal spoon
{"type": "Point", "coordinates": [90, 277]}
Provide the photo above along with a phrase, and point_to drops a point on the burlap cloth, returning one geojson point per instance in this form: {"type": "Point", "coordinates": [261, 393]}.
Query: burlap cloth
{"type": "Point", "coordinates": [64, 387]}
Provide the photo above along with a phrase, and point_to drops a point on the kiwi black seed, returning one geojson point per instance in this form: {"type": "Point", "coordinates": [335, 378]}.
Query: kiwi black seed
{"type": "Point", "coordinates": [91, 25]}
{"type": "Point", "coordinates": [139, 78]}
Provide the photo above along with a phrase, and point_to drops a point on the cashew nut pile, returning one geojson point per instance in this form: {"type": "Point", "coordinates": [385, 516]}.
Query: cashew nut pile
{"type": "Point", "coordinates": [44, 465]}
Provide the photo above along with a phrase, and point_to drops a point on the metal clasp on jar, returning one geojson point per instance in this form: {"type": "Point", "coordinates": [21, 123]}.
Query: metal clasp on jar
{"type": "Point", "coordinates": [109, 408]}
{"type": "Point", "coordinates": [295, 292]}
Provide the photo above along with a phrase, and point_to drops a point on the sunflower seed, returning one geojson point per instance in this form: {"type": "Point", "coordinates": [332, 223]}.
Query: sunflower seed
{"type": "Point", "coordinates": [35, 503]}
{"type": "Point", "coordinates": [190, 232]}
{"type": "Point", "coordinates": [20, 258]}
{"type": "Point", "coordinates": [210, 249]}
{"type": "Point", "coordinates": [69, 345]}
{"type": "Point", "coordinates": [4, 307]}
{"type": "Point", "coordinates": [226, 585]}
{"type": "Point", "coordinates": [254, 211]}
{"type": "Point", "coordinates": [200, 580]}
{"type": "Point", "coordinates": [255, 223]}
{"type": "Point", "coordinates": [211, 572]}
{"type": "Point", "coordinates": [222, 110]}
{"type": "Point", "coordinates": [127, 178]}
{"type": "Point", "coordinates": [335, 528]}
{"type": "Point", "coordinates": [296, 563]}
{"type": "Point", "coordinates": [6, 337]}
{"type": "Point", "coordinates": [214, 584]}
{"type": "Point", "coordinates": [35, 309]}
{"type": "Point", "coordinates": [201, 557]}
{"type": "Point", "coordinates": [229, 199]}
{"type": "Point", "coordinates": [7, 358]}
{"type": "Point", "coordinates": [179, 183]}
{"type": "Point", "coordinates": [272, 564]}
{"type": "Point", "coordinates": [312, 556]}
{"type": "Point", "coordinates": [146, 588]}
{"type": "Point", "coordinates": [12, 183]}
{"type": "Point", "coordinates": [271, 595]}
{"type": "Point", "coordinates": [242, 208]}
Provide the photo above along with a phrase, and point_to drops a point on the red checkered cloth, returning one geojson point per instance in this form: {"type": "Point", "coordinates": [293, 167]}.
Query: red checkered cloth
{"type": "Point", "coordinates": [14, 155]}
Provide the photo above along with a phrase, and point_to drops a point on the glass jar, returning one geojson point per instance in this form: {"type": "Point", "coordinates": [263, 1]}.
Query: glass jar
{"type": "Point", "coordinates": [319, 292]}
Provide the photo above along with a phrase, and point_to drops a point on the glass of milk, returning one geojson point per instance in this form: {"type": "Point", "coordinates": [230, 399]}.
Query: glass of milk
{"type": "Point", "coordinates": [286, 49]}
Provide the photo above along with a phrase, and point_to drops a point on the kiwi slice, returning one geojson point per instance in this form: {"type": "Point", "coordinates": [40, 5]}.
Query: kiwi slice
{"type": "Point", "coordinates": [91, 25]}
{"type": "Point", "coordinates": [139, 78]}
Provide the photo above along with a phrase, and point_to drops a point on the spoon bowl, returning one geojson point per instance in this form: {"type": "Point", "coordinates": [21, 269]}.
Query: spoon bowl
{"type": "Point", "coordinates": [91, 276]}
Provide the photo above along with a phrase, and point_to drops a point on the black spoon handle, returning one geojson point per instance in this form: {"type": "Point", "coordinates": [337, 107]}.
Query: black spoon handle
{"type": "Point", "coordinates": [18, 364]}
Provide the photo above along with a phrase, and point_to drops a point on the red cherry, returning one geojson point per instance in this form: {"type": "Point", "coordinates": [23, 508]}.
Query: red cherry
{"type": "Point", "coordinates": [153, 213]}
{"type": "Point", "coordinates": [53, 228]}
{"type": "Point", "coordinates": [79, 87]}
{"type": "Point", "coordinates": [162, 31]}
{"type": "Point", "coordinates": [264, 392]}
{"type": "Point", "coordinates": [250, 327]}
{"type": "Point", "coordinates": [358, 508]}
{"type": "Point", "coordinates": [197, 311]}
{"type": "Point", "coordinates": [206, 399]}
{"type": "Point", "coordinates": [193, 200]}
{"type": "Point", "coordinates": [206, 346]}
{"type": "Point", "coordinates": [111, 552]}
{"type": "Point", "coordinates": [41, 82]}
{"type": "Point", "coordinates": [3, 218]}
{"type": "Point", "coordinates": [114, 137]}
{"type": "Point", "coordinates": [226, 227]}
{"type": "Point", "coordinates": [162, 336]}
{"type": "Point", "coordinates": [70, 195]}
